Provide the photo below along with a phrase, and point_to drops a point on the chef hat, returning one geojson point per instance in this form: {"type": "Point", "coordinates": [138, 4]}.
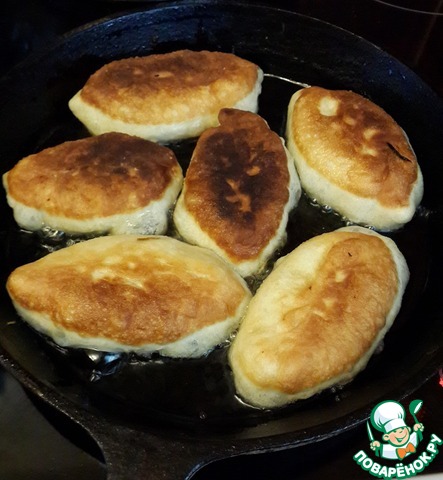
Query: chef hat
{"type": "Point", "coordinates": [388, 416]}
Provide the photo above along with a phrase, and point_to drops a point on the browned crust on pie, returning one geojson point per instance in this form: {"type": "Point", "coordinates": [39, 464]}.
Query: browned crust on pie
{"type": "Point", "coordinates": [325, 320]}
{"type": "Point", "coordinates": [236, 186]}
{"type": "Point", "coordinates": [129, 289]}
{"type": "Point", "coordinates": [356, 146]}
{"type": "Point", "coordinates": [97, 176]}
{"type": "Point", "coordinates": [169, 88]}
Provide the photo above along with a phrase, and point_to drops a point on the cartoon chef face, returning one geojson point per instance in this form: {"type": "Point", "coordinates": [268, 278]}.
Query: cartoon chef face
{"type": "Point", "coordinates": [398, 437]}
{"type": "Point", "coordinates": [388, 417]}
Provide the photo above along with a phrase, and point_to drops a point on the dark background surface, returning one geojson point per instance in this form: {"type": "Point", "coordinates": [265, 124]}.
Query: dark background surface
{"type": "Point", "coordinates": [410, 30]}
{"type": "Point", "coordinates": [35, 441]}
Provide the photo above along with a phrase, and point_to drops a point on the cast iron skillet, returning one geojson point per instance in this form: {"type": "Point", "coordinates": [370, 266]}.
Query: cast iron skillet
{"type": "Point", "coordinates": [165, 419]}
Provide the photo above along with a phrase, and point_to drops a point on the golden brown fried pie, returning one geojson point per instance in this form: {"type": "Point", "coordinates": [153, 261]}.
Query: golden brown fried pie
{"type": "Point", "coordinates": [131, 293]}
{"type": "Point", "coordinates": [318, 317]}
{"type": "Point", "coordinates": [352, 156]}
{"type": "Point", "coordinates": [239, 187]}
{"type": "Point", "coordinates": [166, 97]}
{"type": "Point", "coordinates": [112, 183]}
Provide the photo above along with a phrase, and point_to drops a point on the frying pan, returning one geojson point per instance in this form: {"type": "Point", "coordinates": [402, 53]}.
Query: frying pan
{"type": "Point", "coordinates": [166, 418]}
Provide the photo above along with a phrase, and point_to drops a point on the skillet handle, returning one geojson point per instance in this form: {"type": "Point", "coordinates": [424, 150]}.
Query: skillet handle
{"type": "Point", "coordinates": [139, 455]}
